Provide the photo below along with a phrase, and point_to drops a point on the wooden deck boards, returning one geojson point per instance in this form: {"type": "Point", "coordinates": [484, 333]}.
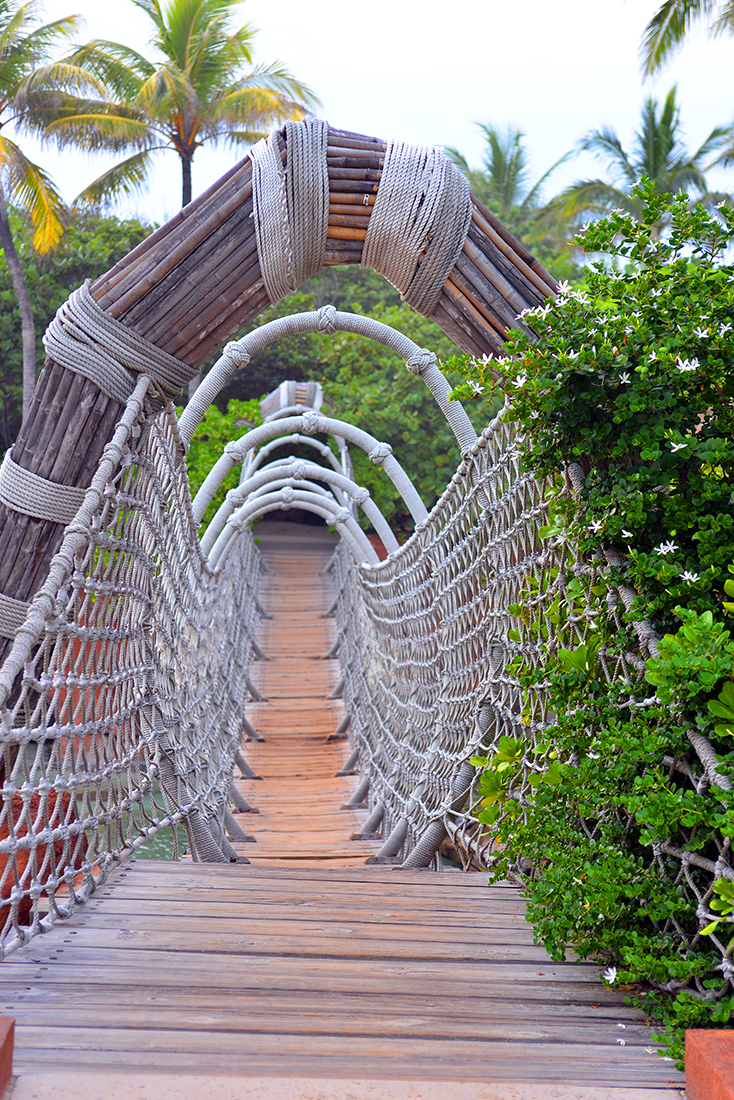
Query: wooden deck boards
{"type": "Point", "coordinates": [299, 818]}
{"type": "Point", "coordinates": [307, 964]}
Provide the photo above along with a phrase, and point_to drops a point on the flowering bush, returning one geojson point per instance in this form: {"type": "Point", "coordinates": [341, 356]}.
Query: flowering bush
{"type": "Point", "coordinates": [623, 840]}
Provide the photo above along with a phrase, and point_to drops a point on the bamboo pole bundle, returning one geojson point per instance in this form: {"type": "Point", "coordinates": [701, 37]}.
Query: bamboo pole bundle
{"type": "Point", "coordinates": [196, 282]}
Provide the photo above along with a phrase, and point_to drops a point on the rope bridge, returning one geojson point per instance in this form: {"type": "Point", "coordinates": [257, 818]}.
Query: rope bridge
{"type": "Point", "coordinates": [123, 696]}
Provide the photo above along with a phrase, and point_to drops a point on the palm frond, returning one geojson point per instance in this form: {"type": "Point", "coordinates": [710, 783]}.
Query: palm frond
{"type": "Point", "coordinates": [606, 143]}
{"type": "Point", "coordinates": [33, 190]}
{"type": "Point", "coordinates": [667, 29]}
{"type": "Point", "coordinates": [128, 177]}
{"type": "Point", "coordinates": [592, 198]}
{"type": "Point", "coordinates": [101, 128]}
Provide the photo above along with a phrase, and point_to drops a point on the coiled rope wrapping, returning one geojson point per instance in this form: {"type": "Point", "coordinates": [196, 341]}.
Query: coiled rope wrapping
{"type": "Point", "coordinates": [419, 223]}
{"type": "Point", "coordinates": [36, 496]}
{"type": "Point", "coordinates": [87, 340]}
{"type": "Point", "coordinates": [290, 205]}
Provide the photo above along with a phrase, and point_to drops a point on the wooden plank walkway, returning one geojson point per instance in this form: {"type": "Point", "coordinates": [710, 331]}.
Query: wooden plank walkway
{"type": "Point", "coordinates": [300, 819]}
{"type": "Point", "coordinates": [307, 975]}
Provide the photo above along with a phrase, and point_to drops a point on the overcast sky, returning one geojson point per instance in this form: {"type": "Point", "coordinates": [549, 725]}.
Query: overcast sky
{"type": "Point", "coordinates": [426, 71]}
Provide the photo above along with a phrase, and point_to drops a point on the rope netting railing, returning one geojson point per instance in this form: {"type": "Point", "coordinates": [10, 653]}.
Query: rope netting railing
{"type": "Point", "coordinates": [430, 642]}
{"type": "Point", "coordinates": [122, 699]}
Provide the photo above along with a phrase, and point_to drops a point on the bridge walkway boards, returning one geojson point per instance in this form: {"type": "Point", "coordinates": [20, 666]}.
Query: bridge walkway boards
{"type": "Point", "coordinates": [307, 975]}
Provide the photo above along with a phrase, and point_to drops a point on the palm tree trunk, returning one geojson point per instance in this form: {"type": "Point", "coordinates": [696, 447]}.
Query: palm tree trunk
{"type": "Point", "coordinates": [28, 331]}
{"type": "Point", "coordinates": [186, 173]}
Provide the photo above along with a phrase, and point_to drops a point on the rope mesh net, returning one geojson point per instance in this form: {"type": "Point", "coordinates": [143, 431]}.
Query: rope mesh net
{"type": "Point", "coordinates": [123, 699]}
{"type": "Point", "coordinates": [127, 713]}
{"type": "Point", "coordinates": [427, 644]}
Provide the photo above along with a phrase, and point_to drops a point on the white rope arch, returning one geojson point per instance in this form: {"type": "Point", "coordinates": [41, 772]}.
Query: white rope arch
{"type": "Point", "coordinates": [255, 458]}
{"type": "Point", "coordinates": [379, 453]}
{"type": "Point", "coordinates": [295, 469]}
{"type": "Point", "coordinates": [288, 497]}
{"type": "Point", "coordinates": [328, 320]}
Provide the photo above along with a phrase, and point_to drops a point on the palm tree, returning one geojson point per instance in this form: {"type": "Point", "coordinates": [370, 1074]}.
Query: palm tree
{"type": "Point", "coordinates": [671, 23]}
{"type": "Point", "coordinates": [658, 153]}
{"type": "Point", "coordinates": [25, 45]}
{"type": "Point", "coordinates": [193, 91]}
{"type": "Point", "coordinates": [502, 184]}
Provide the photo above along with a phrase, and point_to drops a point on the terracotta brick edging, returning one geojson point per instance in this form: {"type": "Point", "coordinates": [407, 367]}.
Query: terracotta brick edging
{"type": "Point", "coordinates": [710, 1065]}
{"type": "Point", "coordinates": [7, 1031]}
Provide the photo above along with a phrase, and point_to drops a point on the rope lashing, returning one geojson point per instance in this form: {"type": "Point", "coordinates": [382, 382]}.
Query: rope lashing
{"type": "Point", "coordinates": [12, 615]}
{"type": "Point", "coordinates": [313, 422]}
{"type": "Point", "coordinates": [307, 187]}
{"type": "Point", "coordinates": [290, 205]}
{"type": "Point", "coordinates": [270, 215]}
{"type": "Point", "coordinates": [326, 320]}
{"type": "Point", "coordinates": [420, 361]}
{"type": "Point", "coordinates": [85, 339]}
{"type": "Point", "coordinates": [379, 453]}
{"type": "Point", "coordinates": [33, 495]}
{"type": "Point", "coordinates": [419, 222]}
{"type": "Point", "coordinates": [237, 357]}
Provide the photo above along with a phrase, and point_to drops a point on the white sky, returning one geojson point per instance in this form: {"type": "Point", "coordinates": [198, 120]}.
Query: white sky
{"type": "Point", "coordinates": [425, 71]}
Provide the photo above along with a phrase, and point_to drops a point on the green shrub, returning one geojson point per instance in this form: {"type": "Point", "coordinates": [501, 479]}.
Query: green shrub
{"type": "Point", "coordinates": [618, 812]}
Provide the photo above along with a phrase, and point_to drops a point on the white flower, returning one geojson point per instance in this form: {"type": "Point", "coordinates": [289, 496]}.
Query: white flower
{"type": "Point", "coordinates": [677, 447]}
{"type": "Point", "coordinates": [690, 577]}
{"type": "Point", "coordinates": [666, 548]}
{"type": "Point", "coordinates": [701, 333]}
{"type": "Point", "coordinates": [622, 1042]}
{"type": "Point", "coordinates": [655, 293]}
{"type": "Point", "coordinates": [652, 357]}
{"type": "Point", "coordinates": [524, 313]}
{"type": "Point", "coordinates": [624, 378]}
{"type": "Point", "coordinates": [485, 360]}
{"type": "Point", "coordinates": [627, 534]}
{"type": "Point", "coordinates": [520, 381]}
{"type": "Point", "coordinates": [723, 329]}
{"type": "Point", "coordinates": [564, 287]}
{"type": "Point", "coordinates": [596, 526]}
{"type": "Point", "coordinates": [628, 329]}
{"type": "Point", "coordinates": [686, 364]}
{"type": "Point", "coordinates": [534, 414]}
{"type": "Point", "coordinates": [572, 354]}
{"type": "Point", "coordinates": [476, 388]}
{"type": "Point", "coordinates": [610, 975]}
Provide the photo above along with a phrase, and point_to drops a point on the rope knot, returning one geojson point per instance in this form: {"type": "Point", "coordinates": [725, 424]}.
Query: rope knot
{"type": "Point", "coordinates": [298, 471]}
{"type": "Point", "coordinates": [380, 453]}
{"type": "Point", "coordinates": [236, 354]}
{"type": "Point", "coordinates": [286, 496]}
{"type": "Point", "coordinates": [326, 320]}
{"type": "Point", "coordinates": [342, 515]}
{"type": "Point", "coordinates": [359, 496]}
{"type": "Point", "coordinates": [420, 360]}
{"type": "Point", "coordinates": [312, 423]}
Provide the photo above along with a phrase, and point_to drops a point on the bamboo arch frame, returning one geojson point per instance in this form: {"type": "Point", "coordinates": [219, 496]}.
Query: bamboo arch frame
{"type": "Point", "coordinates": [196, 282]}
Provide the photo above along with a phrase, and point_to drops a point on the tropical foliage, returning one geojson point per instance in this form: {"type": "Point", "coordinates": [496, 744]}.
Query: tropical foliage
{"type": "Point", "coordinates": [672, 22]}
{"type": "Point", "coordinates": [631, 380]}
{"type": "Point", "coordinates": [197, 87]}
{"type": "Point", "coordinates": [503, 185]}
{"type": "Point", "coordinates": [658, 154]}
{"type": "Point", "coordinates": [25, 45]}
{"type": "Point", "coordinates": [89, 247]}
